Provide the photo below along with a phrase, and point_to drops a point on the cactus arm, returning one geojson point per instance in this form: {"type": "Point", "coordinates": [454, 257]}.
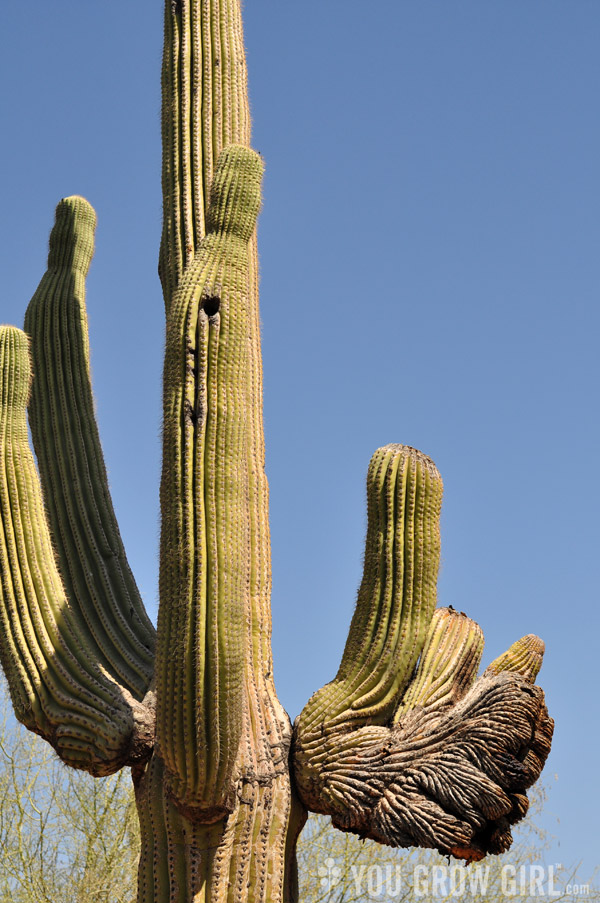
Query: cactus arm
{"type": "Point", "coordinates": [397, 595]}
{"type": "Point", "coordinates": [420, 757]}
{"type": "Point", "coordinates": [98, 581]}
{"type": "Point", "coordinates": [204, 108]}
{"type": "Point", "coordinates": [204, 576]}
{"type": "Point", "coordinates": [57, 688]}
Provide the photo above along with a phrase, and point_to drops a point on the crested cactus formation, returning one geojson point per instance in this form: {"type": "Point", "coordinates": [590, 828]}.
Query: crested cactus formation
{"type": "Point", "coordinates": [405, 745]}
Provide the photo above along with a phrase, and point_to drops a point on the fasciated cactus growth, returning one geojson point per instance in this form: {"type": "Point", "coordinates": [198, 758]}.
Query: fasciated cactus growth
{"type": "Point", "coordinates": [405, 745]}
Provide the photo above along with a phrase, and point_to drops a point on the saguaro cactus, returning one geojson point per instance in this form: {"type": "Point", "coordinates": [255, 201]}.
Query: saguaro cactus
{"type": "Point", "coordinates": [405, 745]}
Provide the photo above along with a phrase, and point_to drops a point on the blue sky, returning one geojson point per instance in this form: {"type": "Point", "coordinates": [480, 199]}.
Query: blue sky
{"type": "Point", "coordinates": [430, 274]}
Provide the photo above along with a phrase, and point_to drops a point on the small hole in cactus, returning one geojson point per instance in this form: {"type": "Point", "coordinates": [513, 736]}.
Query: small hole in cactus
{"type": "Point", "coordinates": [211, 306]}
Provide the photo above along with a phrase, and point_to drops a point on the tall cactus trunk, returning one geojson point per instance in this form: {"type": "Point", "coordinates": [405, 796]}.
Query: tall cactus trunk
{"type": "Point", "coordinates": [223, 739]}
{"type": "Point", "coordinates": [405, 745]}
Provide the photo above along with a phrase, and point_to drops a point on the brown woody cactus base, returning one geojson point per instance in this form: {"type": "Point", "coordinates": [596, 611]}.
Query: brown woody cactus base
{"type": "Point", "coordinates": [451, 777]}
{"type": "Point", "coordinates": [405, 745]}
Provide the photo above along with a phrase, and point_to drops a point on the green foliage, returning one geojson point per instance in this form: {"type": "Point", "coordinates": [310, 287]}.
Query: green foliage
{"type": "Point", "coordinates": [64, 836]}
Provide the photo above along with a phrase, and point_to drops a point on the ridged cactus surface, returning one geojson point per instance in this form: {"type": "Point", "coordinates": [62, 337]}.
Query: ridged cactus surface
{"type": "Point", "coordinates": [405, 745]}
{"type": "Point", "coordinates": [91, 557]}
{"type": "Point", "coordinates": [205, 540]}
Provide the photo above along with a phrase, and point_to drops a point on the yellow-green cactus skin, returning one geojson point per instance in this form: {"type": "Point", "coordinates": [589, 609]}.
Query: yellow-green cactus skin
{"type": "Point", "coordinates": [405, 745]}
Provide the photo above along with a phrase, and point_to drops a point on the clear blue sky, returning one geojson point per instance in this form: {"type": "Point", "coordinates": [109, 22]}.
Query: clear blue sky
{"type": "Point", "coordinates": [430, 275]}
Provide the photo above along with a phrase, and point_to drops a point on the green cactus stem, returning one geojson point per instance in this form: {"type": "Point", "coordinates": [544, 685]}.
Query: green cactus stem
{"type": "Point", "coordinates": [204, 578]}
{"type": "Point", "coordinates": [397, 595]}
{"type": "Point", "coordinates": [204, 109]}
{"type": "Point", "coordinates": [405, 745]}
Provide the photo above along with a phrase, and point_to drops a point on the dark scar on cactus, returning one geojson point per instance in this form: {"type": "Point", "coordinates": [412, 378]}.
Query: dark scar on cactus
{"type": "Point", "coordinates": [211, 305]}
{"type": "Point", "coordinates": [189, 414]}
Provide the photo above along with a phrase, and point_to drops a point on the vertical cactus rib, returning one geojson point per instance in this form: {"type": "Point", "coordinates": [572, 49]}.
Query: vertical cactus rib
{"type": "Point", "coordinates": [204, 108]}
{"type": "Point", "coordinates": [104, 597]}
{"type": "Point", "coordinates": [57, 689]}
{"type": "Point", "coordinates": [448, 664]}
{"type": "Point", "coordinates": [204, 84]}
{"type": "Point", "coordinates": [205, 554]}
{"type": "Point", "coordinates": [397, 596]}
{"type": "Point", "coordinates": [241, 858]}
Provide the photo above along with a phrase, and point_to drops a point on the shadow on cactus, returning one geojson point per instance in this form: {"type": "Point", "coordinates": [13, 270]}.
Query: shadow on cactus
{"type": "Point", "coordinates": [405, 745]}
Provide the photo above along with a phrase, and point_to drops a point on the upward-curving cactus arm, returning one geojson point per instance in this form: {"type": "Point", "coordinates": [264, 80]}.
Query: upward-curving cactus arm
{"type": "Point", "coordinates": [100, 586]}
{"type": "Point", "coordinates": [397, 596]}
{"type": "Point", "coordinates": [76, 642]}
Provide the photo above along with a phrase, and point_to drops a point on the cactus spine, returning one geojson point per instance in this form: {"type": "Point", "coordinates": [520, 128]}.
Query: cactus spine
{"type": "Point", "coordinates": [405, 745]}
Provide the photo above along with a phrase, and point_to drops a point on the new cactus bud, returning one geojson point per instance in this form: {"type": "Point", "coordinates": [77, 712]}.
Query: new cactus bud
{"type": "Point", "coordinates": [524, 657]}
